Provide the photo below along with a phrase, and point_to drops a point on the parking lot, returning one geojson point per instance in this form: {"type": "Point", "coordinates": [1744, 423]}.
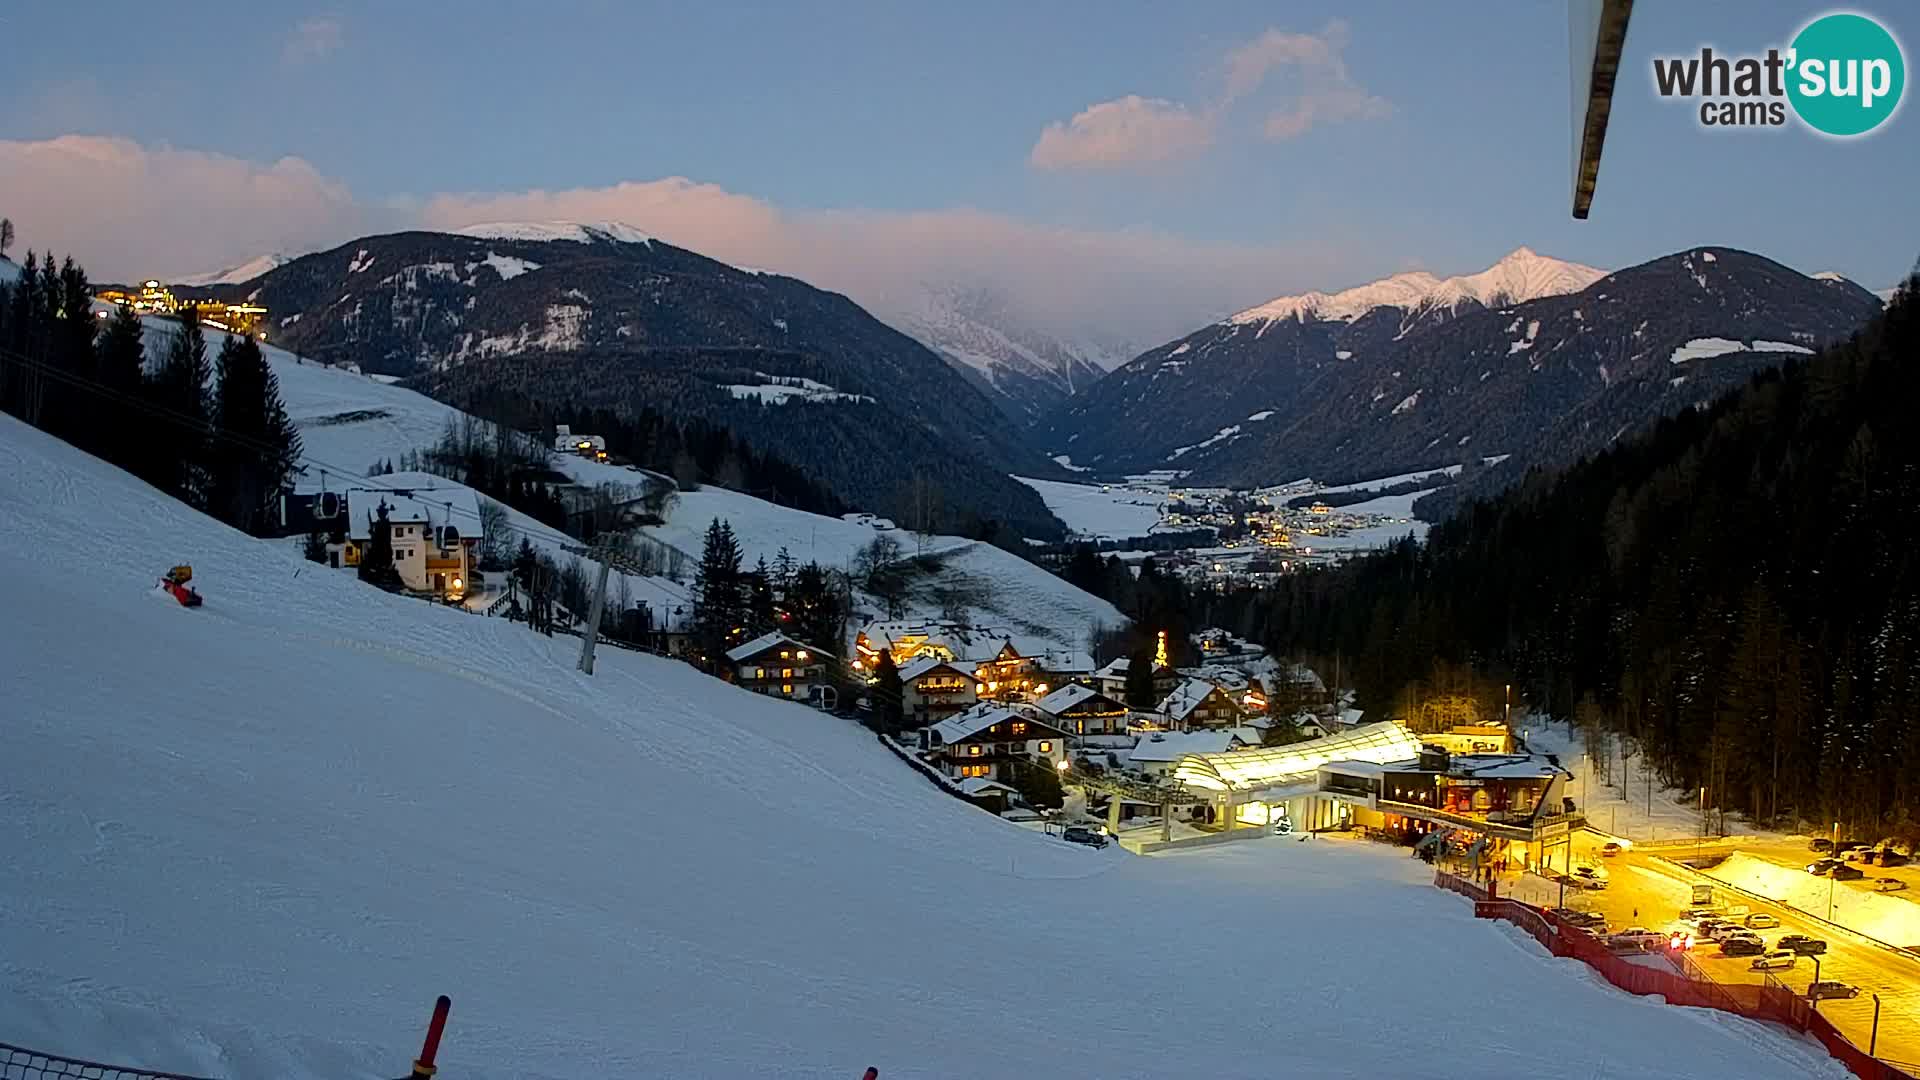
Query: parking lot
{"type": "Point", "coordinates": [1646, 891]}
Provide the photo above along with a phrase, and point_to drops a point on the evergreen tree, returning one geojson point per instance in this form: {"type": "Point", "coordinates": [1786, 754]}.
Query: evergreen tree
{"type": "Point", "coordinates": [758, 586]}
{"type": "Point", "coordinates": [1139, 685]}
{"type": "Point", "coordinates": [315, 548]}
{"type": "Point", "coordinates": [719, 599]}
{"type": "Point", "coordinates": [129, 429]}
{"type": "Point", "coordinates": [885, 694]}
{"type": "Point", "coordinates": [256, 447]}
{"type": "Point", "coordinates": [179, 390]}
{"type": "Point", "coordinates": [1038, 783]}
{"type": "Point", "coordinates": [819, 616]}
{"type": "Point", "coordinates": [784, 568]}
{"type": "Point", "coordinates": [71, 400]}
{"type": "Point", "coordinates": [376, 559]}
{"type": "Point", "coordinates": [6, 235]}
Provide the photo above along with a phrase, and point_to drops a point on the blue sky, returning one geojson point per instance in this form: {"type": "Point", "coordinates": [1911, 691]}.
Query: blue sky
{"type": "Point", "coordinates": [1438, 138]}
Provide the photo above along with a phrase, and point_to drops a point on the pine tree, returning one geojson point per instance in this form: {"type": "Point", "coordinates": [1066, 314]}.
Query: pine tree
{"type": "Point", "coordinates": [761, 616]}
{"type": "Point", "coordinates": [179, 389]}
{"type": "Point", "coordinates": [1038, 783]}
{"type": "Point", "coordinates": [256, 446]}
{"type": "Point", "coordinates": [1139, 686]}
{"type": "Point", "coordinates": [129, 429]}
{"type": "Point", "coordinates": [315, 548]}
{"type": "Point", "coordinates": [6, 235]}
{"type": "Point", "coordinates": [376, 559]}
{"type": "Point", "coordinates": [784, 568]}
{"type": "Point", "coordinates": [819, 616]}
{"type": "Point", "coordinates": [719, 602]}
{"type": "Point", "coordinates": [71, 408]}
{"type": "Point", "coordinates": [886, 715]}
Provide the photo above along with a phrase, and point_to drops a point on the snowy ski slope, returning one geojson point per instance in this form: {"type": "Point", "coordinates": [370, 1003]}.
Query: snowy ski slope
{"type": "Point", "coordinates": [254, 839]}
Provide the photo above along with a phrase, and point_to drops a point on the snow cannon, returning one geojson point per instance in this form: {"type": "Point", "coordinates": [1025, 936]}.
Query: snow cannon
{"type": "Point", "coordinates": [175, 582]}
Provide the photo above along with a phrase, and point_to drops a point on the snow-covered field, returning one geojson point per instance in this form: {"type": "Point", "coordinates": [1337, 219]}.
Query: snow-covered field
{"type": "Point", "coordinates": [1889, 917]}
{"type": "Point", "coordinates": [1118, 510]}
{"type": "Point", "coordinates": [256, 838]}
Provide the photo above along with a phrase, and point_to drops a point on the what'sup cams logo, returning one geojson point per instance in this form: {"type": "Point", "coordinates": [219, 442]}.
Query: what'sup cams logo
{"type": "Point", "coordinates": [1843, 76]}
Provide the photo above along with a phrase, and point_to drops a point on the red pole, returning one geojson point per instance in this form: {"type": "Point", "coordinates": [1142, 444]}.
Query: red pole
{"type": "Point", "coordinates": [423, 1066]}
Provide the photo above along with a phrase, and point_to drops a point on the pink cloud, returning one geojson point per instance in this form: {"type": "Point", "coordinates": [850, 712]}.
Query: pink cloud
{"type": "Point", "coordinates": [1320, 90]}
{"type": "Point", "coordinates": [1123, 133]}
{"type": "Point", "coordinates": [128, 211]}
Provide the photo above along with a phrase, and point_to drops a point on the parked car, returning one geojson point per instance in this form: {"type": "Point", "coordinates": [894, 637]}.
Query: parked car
{"type": "Point", "coordinates": [1777, 960]}
{"type": "Point", "coordinates": [1760, 920]}
{"type": "Point", "coordinates": [1843, 872]}
{"type": "Point", "coordinates": [1830, 988]}
{"type": "Point", "coordinates": [1720, 931]}
{"type": "Point", "coordinates": [1802, 944]}
{"type": "Point", "coordinates": [1082, 834]}
{"type": "Point", "coordinates": [1891, 857]}
{"type": "Point", "coordinates": [1696, 915]}
{"type": "Point", "coordinates": [1580, 918]}
{"type": "Point", "coordinates": [1744, 946]}
{"type": "Point", "coordinates": [1637, 939]}
{"type": "Point", "coordinates": [1589, 877]}
{"type": "Point", "coordinates": [1888, 884]}
{"type": "Point", "coordinates": [1609, 849]}
{"type": "Point", "coordinates": [1822, 867]}
{"type": "Point", "coordinates": [1853, 852]}
{"type": "Point", "coordinates": [1820, 843]}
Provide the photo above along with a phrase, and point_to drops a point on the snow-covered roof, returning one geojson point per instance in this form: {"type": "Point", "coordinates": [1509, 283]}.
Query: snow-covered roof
{"type": "Point", "coordinates": [1185, 698]}
{"type": "Point", "coordinates": [1068, 696]}
{"type": "Point", "coordinates": [1268, 766]}
{"type": "Point", "coordinates": [921, 665]}
{"type": "Point", "coordinates": [1114, 669]}
{"type": "Point", "coordinates": [978, 785]}
{"type": "Point", "coordinates": [764, 642]}
{"type": "Point", "coordinates": [434, 503]}
{"type": "Point", "coordinates": [966, 725]}
{"type": "Point", "coordinates": [1502, 767]}
{"type": "Point", "coordinates": [1065, 661]}
{"type": "Point", "coordinates": [1174, 745]}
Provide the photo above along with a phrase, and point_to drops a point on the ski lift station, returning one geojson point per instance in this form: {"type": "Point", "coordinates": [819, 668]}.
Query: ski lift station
{"type": "Point", "coordinates": [1382, 777]}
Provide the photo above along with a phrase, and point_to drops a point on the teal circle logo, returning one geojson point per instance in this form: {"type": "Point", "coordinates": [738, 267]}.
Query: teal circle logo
{"type": "Point", "coordinates": [1846, 74]}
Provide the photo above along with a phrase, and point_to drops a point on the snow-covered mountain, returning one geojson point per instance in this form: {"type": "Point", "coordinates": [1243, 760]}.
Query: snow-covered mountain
{"type": "Point", "coordinates": [1534, 358]}
{"type": "Point", "coordinates": [234, 275]}
{"type": "Point", "coordinates": [572, 312]}
{"type": "Point", "coordinates": [1521, 276]}
{"type": "Point", "coordinates": [1025, 370]}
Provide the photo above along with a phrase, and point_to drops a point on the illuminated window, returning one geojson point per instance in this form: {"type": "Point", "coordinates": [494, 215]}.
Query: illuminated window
{"type": "Point", "coordinates": [787, 689]}
{"type": "Point", "coordinates": [786, 673]}
{"type": "Point", "coordinates": [974, 750]}
{"type": "Point", "coordinates": [1019, 727]}
{"type": "Point", "coordinates": [1046, 748]}
{"type": "Point", "coordinates": [759, 673]}
{"type": "Point", "coordinates": [784, 654]}
{"type": "Point", "coordinates": [801, 655]}
{"type": "Point", "coordinates": [1079, 727]}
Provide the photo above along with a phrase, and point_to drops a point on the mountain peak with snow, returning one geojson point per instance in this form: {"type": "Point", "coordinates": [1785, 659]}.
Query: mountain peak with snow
{"type": "Point", "coordinates": [234, 275]}
{"type": "Point", "coordinates": [575, 232]}
{"type": "Point", "coordinates": [1520, 276]}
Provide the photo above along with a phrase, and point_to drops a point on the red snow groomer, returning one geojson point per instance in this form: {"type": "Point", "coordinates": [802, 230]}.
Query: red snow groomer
{"type": "Point", "coordinates": [175, 582]}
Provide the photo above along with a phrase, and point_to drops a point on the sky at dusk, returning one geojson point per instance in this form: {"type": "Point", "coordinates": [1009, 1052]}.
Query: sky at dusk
{"type": "Point", "coordinates": [1140, 167]}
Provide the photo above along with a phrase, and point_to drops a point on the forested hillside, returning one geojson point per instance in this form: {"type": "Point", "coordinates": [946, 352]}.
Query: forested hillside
{"type": "Point", "coordinates": [1736, 593]}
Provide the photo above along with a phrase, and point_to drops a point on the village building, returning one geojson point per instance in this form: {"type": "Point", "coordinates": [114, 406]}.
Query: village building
{"type": "Point", "coordinates": [777, 665]}
{"type": "Point", "coordinates": [591, 447]}
{"type": "Point", "coordinates": [991, 741]}
{"type": "Point", "coordinates": [1005, 675]}
{"type": "Point", "coordinates": [1198, 703]}
{"type": "Point", "coordinates": [932, 689]}
{"type": "Point", "coordinates": [434, 533]}
{"type": "Point", "coordinates": [1111, 679]}
{"type": "Point", "coordinates": [1157, 753]}
{"type": "Point", "coordinates": [1083, 711]}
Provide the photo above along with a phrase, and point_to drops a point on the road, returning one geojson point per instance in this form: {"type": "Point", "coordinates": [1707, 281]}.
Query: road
{"type": "Point", "coordinates": [1644, 891]}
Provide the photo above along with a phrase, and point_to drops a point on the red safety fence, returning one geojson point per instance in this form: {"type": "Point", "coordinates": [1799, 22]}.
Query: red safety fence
{"type": "Point", "coordinates": [20, 1063]}
{"type": "Point", "coordinates": [1688, 984]}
